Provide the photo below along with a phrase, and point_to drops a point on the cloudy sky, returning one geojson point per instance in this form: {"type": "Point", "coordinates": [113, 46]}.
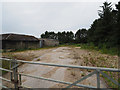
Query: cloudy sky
{"type": "Point", "coordinates": [34, 18]}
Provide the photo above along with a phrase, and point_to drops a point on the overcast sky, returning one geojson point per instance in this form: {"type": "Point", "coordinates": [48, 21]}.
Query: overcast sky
{"type": "Point", "coordinates": [34, 18]}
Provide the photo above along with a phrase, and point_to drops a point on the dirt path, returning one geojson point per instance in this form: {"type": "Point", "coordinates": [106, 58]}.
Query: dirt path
{"type": "Point", "coordinates": [61, 55]}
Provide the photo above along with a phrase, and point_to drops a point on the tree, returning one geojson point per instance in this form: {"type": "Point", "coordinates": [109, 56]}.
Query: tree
{"type": "Point", "coordinates": [63, 37]}
{"type": "Point", "coordinates": [101, 28]}
{"type": "Point", "coordinates": [106, 10]}
{"type": "Point", "coordinates": [81, 36]}
{"type": "Point", "coordinates": [117, 32]}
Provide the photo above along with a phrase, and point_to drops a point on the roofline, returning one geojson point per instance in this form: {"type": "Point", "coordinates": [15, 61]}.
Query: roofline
{"type": "Point", "coordinates": [9, 34]}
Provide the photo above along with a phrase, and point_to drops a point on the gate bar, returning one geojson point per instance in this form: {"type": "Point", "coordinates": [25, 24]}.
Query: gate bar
{"type": "Point", "coordinates": [81, 79]}
{"type": "Point", "coordinates": [110, 78]}
{"type": "Point", "coordinates": [5, 79]}
{"type": "Point", "coordinates": [48, 79]}
{"type": "Point", "coordinates": [57, 81]}
{"type": "Point", "coordinates": [69, 66]}
{"type": "Point", "coordinates": [3, 69]}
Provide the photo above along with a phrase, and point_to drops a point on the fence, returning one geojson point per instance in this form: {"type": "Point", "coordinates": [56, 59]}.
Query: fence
{"type": "Point", "coordinates": [16, 77]}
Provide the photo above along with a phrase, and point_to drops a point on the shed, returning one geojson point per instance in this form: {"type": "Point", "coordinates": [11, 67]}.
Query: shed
{"type": "Point", "coordinates": [49, 42]}
{"type": "Point", "coordinates": [19, 41]}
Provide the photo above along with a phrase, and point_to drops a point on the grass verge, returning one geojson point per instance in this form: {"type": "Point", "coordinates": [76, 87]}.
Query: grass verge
{"type": "Point", "coordinates": [103, 50]}
{"type": "Point", "coordinates": [96, 57]}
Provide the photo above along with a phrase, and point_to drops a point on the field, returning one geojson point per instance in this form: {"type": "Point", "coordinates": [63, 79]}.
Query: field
{"type": "Point", "coordinates": [65, 54]}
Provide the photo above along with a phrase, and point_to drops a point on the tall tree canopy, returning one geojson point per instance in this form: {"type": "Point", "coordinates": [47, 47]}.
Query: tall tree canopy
{"type": "Point", "coordinates": [104, 31]}
{"type": "Point", "coordinates": [63, 37]}
{"type": "Point", "coordinates": [81, 36]}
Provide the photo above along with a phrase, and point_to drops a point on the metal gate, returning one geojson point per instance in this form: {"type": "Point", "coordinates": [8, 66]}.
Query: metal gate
{"type": "Point", "coordinates": [15, 77]}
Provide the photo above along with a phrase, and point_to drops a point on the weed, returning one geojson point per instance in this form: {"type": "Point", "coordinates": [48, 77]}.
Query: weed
{"type": "Point", "coordinates": [69, 69]}
{"type": "Point", "coordinates": [73, 73]}
{"type": "Point", "coordinates": [38, 59]}
{"type": "Point", "coordinates": [83, 74]}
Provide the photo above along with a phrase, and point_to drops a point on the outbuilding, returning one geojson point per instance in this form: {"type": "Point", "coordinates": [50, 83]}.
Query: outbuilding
{"type": "Point", "coordinates": [19, 41]}
{"type": "Point", "coordinates": [49, 42]}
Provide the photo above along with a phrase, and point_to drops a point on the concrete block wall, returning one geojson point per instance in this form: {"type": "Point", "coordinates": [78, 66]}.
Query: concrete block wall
{"type": "Point", "coordinates": [50, 42]}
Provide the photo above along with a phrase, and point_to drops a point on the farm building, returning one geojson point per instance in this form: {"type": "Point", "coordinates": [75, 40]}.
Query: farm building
{"type": "Point", "coordinates": [18, 41]}
{"type": "Point", "coordinates": [49, 42]}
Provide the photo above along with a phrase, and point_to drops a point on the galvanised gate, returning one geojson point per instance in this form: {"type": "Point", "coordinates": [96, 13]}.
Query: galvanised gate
{"type": "Point", "coordinates": [15, 77]}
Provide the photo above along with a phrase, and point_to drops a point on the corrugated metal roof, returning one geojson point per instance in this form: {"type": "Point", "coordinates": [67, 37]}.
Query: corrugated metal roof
{"type": "Point", "coordinates": [18, 37]}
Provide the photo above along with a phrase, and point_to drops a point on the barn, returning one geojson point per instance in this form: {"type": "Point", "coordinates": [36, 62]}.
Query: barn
{"type": "Point", "coordinates": [19, 41]}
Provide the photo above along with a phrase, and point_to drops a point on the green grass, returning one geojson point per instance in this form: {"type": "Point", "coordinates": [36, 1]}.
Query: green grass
{"type": "Point", "coordinates": [103, 50]}
{"type": "Point", "coordinates": [20, 50]}
{"type": "Point", "coordinates": [109, 82]}
{"type": "Point", "coordinates": [69, 45]}
{"type": "Point", "coordinates": [112, 51]}
{"type": "Point", "coordinates": [5, 65]}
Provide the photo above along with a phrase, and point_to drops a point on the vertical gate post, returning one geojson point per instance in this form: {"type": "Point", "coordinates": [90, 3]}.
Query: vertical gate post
{"type": "Point", "coordinates": [15, 75]}
{"type": "Point", "coordinates": [98, 78]}
{"type": "Point", "coordinates": [20, 79]}
{"type": "Point", "coordinates": [11, 76]}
